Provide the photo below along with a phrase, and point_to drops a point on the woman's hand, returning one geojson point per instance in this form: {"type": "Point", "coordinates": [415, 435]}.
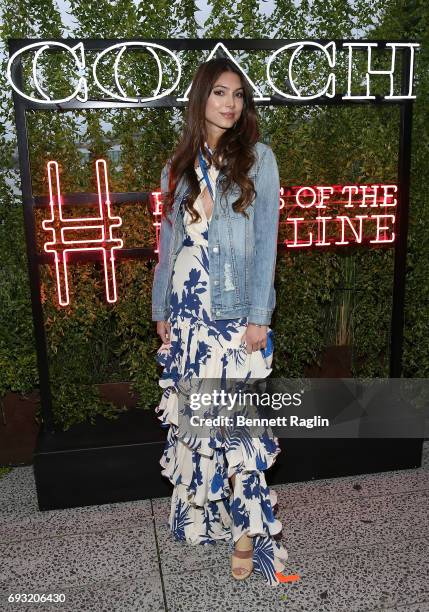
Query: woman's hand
{"type": "Point", "coordinates": [255, 337]}
{"type": "Point", "coordinates": [163, 329]}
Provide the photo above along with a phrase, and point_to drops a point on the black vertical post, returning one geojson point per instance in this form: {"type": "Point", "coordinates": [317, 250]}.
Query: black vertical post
{"type": "Point", "coordinates": [404, 171]}
{"type": "Point", "coordinates": [33, 265]}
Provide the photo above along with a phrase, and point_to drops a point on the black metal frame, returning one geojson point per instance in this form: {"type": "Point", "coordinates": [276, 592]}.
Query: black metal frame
{"type": "Point", "coordinates": [30, 202]}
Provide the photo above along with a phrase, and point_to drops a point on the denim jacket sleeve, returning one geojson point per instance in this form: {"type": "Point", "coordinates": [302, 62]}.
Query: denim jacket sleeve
{"type": "Point", "coordinates": [160, 277]}
{"type": "Point", "coordinates": [266, 225]}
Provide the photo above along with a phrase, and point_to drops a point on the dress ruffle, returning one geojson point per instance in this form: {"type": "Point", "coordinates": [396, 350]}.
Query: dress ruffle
{"type": "Point", "coordinates": [204, 508]}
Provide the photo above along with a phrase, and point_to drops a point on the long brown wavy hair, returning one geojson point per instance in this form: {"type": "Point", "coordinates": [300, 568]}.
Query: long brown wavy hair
{"type": "Point", "coordinates": [234, 153]}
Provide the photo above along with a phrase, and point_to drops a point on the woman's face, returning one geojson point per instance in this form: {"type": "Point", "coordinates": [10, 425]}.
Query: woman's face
{"type": "Point", "coordinates": [225, 102]}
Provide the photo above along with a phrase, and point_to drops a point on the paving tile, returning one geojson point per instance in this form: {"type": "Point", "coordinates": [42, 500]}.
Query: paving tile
{"type": "Point", "coordinates": [352, 580]}
{"type": "Point", "coordinates": [18, 492]}
{"type": "Point", "coordinates": [161, 506]}
{"type": "Point", "coordinates": [408, 607]}
{"type": "Point", "coordinates": [347, 523]}
{"type": "Point", "coordinates": [52, 523]}
{"type": "Point", "coordinates": [188, 557]}
{"type": "Point", "coordinates": [79, 560]}
{"type": "Point", "coordinates": [141, 593]}
{"type": "Point", "coordinates": [20, 517]}
{"type": "Point", "coordinates": [354, 487]}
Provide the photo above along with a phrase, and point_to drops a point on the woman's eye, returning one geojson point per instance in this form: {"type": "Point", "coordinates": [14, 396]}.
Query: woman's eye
{"type": "Point", "coordinates": [220, 91]}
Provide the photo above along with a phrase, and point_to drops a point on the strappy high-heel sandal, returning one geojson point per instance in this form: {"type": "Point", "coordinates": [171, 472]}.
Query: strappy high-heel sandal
{"type": "Point", "coordinates": [241, 571]}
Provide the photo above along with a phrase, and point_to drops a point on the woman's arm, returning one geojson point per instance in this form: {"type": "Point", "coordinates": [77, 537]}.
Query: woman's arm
{"type": "Point", "coordinates": [266, 225]}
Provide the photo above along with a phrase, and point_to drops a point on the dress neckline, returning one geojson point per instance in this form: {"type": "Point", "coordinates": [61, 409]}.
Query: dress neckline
{"type": "Point", "coordinates": [204, 212]}
{"type": "Point", "coordinates": [211, 169]}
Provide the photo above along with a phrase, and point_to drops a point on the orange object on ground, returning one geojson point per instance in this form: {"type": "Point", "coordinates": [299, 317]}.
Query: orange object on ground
{"type": "Point", "coordinates": [282, 578]}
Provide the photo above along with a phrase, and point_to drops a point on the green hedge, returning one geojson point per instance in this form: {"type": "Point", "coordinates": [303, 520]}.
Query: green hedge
{"type": "Point", "coordinates": [90, 342]}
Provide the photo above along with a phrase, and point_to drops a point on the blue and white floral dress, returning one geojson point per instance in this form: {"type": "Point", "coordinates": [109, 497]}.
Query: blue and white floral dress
{"type": "Point", "coordinates": [204, 508]}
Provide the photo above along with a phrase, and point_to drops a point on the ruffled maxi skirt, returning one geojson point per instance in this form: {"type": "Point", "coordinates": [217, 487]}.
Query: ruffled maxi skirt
{"type": "Point", "coordinates": [204, 507]}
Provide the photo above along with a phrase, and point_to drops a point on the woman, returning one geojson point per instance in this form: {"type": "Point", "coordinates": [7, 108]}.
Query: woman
{"type": "Point", "coordinates": [213, 297]}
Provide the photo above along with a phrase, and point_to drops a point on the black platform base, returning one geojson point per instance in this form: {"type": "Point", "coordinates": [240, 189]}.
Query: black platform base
{"type": "Point", "coordinates": [115, 461]}
{"type": "Point", "coordinates": [111, 461]}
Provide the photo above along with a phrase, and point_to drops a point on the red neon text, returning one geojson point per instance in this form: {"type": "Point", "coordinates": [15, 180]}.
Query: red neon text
{"type": "Point", "coordinates": [324, 215]}
{"type": "Point", "coordinates": [338, 215]}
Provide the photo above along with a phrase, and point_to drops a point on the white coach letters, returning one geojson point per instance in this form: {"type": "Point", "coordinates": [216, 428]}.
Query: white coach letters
{"type": "Point", "coordinates": [329, 90]}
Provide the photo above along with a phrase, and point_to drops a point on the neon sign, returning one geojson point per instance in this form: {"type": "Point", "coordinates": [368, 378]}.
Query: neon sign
{"type": "Point", "coordinates": [157, 212]}
{"type": "Point", "coordinates": [78, 54]}
{"type": "Point", "coordinates": [63, 228]}
{"type": "Point", "coordinates": [316, 215]}
{"type": "Point", "coordinates": [122, 48]}
{"type": "Point", "coordinates": [370, 71]}
{"type": "Point", "coordinates": [312, 216]}
{"type": "Point", "coordinates": [329, 51]}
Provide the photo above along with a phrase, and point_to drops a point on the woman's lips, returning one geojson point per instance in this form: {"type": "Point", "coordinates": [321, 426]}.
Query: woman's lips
{"type": "Point", "coordinates": [228, 115]}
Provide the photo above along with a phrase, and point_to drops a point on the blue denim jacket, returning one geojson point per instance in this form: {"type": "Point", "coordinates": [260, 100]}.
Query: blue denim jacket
{"type": "Point", "coordinates": [242, 252]}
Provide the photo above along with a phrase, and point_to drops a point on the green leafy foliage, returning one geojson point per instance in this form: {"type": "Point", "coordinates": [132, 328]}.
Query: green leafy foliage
{"type": "Point", "coordinates": [90, 341]}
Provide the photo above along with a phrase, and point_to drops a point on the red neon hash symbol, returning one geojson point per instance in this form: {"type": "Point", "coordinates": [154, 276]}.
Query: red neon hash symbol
{"type": "Point", "coordinates": [105, 222]}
